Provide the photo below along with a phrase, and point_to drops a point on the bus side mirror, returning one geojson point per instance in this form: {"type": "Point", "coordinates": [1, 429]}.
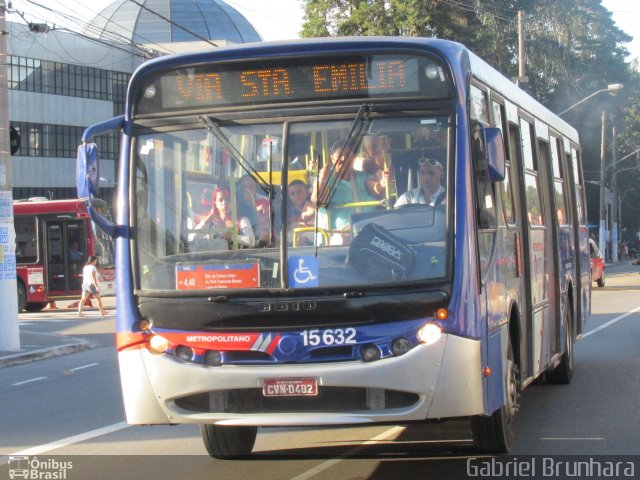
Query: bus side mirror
{"type": "Point", "coordinates": [87, 171]}
{"type": "Point", "coordinates": [495, 154]}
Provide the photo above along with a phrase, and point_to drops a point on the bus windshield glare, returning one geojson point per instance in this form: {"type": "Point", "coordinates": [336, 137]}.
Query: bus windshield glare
{"type": "Point", "coordinates": [218, 206]}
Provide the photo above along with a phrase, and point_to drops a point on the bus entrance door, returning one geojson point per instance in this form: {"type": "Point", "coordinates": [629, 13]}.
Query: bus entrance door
{"type": "Point", "coordinates": [65, 257]}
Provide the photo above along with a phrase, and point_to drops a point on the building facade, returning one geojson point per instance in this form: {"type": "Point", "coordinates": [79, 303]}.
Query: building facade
{"type": "Point", "coordinates": [60, 82]}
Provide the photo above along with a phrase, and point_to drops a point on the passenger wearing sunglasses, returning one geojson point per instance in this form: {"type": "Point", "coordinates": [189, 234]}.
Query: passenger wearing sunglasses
{"type": "Point", "coordinates": [430, 191]}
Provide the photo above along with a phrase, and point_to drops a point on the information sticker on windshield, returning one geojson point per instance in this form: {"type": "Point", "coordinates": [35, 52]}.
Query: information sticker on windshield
{"type": "Point", "coordinates": [196, 276]}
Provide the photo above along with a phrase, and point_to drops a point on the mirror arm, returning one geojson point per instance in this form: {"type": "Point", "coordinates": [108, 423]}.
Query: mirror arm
{"type": "Point", "coordinates": [115, 123]}
{"type": "Point", "coordinates": [107, 226]}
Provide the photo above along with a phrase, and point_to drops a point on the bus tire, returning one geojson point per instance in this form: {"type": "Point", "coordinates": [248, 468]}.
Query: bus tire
{"type": "Point", "coordinates": [22, 296]}
{"type": "Point", "coordinates": [228, 442]}
{"type": "Point", "coordinates": [494, 433]}
{"type": "Point", "coordinates": [563, 372]}
{"type": "Point", "coordinates": [35, 306]}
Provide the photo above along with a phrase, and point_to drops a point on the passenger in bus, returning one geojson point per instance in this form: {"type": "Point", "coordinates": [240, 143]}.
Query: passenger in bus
{"type": "Point", "coordinates": [75, 254]}
{"type": "Point", "coordinates": [202, 207]}
{"type": "Point", "coordinates": [300, 213]}
{"type": "Point", "coordinates": [374, 159]}
{"type": "Point", "coordinates": [300, 210]}
{"type": "Point", "coordinates": [338, 183]}
{"type": "Point", "coordinates": [220, 221]}
{"type": "Point", "coordinates": [21, 249]}
{"type": "Point", "coordinates": [90, 285]}
{"type": "Point", "coordinates": [255, 207]}
{"type": "Point", "coordinates": [430, 190]}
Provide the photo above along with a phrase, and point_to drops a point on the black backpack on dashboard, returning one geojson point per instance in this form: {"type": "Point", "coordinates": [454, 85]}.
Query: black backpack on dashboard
{"type": "Point", "coordinates": [378, 254]}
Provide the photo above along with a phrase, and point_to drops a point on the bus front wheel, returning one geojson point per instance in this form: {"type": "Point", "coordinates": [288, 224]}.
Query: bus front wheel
{"type": "Point", "coordinates": [494, 433]}
{"type": "Point", "coordinates": [228, 442]}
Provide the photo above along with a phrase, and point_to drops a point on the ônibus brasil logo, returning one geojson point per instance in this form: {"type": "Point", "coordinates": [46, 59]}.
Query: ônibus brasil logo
{"type": "Point", "coordinates": [38, 469]}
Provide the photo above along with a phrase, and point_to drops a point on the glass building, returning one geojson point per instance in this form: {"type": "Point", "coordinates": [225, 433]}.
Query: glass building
{"type": "Point", "coordinates": [61, 82]}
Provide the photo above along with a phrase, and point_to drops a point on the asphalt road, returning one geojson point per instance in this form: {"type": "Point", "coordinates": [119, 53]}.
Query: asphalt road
{"type": "Point", "coordinates": [68, 409]}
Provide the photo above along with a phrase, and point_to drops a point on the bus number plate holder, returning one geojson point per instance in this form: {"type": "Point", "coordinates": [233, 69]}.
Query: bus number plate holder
{"type": "Point", "coordinates": [290, 387]}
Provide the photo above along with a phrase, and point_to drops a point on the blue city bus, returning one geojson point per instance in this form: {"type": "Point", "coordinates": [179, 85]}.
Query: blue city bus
{"type": "Point", "coordinates": [234, 312]}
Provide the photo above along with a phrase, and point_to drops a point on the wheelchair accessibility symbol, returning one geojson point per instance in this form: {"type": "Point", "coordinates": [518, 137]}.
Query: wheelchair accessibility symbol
{"type": "Point", "coordinates": [303, 271]}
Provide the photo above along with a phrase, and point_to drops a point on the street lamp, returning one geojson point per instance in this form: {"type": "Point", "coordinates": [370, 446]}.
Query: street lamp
{"type": "Point", "coordinates": [611, 88]}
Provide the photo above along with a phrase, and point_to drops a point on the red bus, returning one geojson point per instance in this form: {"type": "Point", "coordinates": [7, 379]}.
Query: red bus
{"type": "Point", "coordinates": [53, 240]}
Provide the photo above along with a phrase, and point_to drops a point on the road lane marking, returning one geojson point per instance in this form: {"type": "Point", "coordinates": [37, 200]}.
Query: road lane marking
{"type": "Point", "coordinates": [610, 322]}
{"type": "Point", "coordinates": [82, 367]}
{"type": "Point", "coordinates": [65, 442]}
{"type": "Point", "coordinates": [330, 463]}
{"type": "Point", "coordinates": [586, 439]}
{"type": "Point", "coordinates": [31, 380]}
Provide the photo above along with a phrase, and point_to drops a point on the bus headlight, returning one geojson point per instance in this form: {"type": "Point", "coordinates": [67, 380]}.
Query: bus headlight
{"type": "Point", "coordinates": [157, 344]}
{"type": "Point", "coordinates": [429, 334]}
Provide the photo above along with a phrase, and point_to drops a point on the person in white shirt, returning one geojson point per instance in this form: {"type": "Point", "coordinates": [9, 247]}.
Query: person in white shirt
{"type": "Point", "coordinates": [430, 191]}
{"type": "Point", "coordinates": [90, 285]}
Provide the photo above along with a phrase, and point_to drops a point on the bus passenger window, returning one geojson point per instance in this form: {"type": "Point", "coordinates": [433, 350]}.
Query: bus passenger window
{"type": "Point", "coordinates": [26, 242]}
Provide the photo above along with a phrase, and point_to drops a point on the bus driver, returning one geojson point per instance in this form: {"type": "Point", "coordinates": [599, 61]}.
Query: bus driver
{"type": "Point", "coordinates": [430, 191]}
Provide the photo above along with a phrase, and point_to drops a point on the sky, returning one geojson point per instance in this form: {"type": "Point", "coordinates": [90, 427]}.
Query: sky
{"type": "Point", "coordinates": [282, 19]}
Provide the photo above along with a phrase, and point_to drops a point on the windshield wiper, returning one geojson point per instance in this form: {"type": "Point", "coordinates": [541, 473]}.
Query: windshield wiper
{"type": "Point", "coordinates": [354, 137]}
{"type": "Point", "coordinates": [213, 127]}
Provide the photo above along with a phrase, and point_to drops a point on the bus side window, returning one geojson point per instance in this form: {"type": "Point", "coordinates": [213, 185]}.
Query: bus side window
{"type": "Point", "coordinates": [26, 242]}
{"type": "Point", "coordinates": [485, 195]}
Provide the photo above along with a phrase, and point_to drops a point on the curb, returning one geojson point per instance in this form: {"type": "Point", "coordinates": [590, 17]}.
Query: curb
{"type": "Point", "coordinates": [43, 353]}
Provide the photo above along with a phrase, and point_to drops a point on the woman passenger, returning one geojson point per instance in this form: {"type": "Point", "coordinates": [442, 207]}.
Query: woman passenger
{"type": "Point", "coordinates": [220, 219]}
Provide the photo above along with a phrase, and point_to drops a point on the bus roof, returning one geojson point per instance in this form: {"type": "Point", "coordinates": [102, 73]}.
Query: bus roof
{"type": "Point", "coordinates": [506, 88]}
{"type": "Point", "coordinates": [43, 206]}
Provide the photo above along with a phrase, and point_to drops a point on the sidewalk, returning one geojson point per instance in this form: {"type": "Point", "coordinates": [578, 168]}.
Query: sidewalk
{"type": "Point", "coordinates": [38, 345]}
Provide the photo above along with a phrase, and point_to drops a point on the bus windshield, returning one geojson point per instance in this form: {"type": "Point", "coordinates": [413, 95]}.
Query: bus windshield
{"type": "Point", "coordinates": [295, 204]}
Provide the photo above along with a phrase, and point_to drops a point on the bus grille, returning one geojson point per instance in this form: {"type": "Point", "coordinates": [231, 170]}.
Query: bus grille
{"type": "Point", "coordinates": [329, 399]}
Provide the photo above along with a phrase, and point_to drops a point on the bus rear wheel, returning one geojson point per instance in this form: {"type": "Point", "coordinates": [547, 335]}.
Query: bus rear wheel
{"type": "Point", "coordinates": [228, 442]}
{"type": "Point", "coordinates": [494, 433]}
{"type": "Point", "coordinates": [563, 372]}
{"type": "Point", "coordinates": [35, 306]}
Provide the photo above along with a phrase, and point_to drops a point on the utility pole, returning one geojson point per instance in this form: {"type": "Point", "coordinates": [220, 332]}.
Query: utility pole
{"type": "Point", "coordinates": [614, 201]}
{"type": "Point", "coordinates": [522, 79]}
{"type": "Point", "coordinates": [602, 238]}
{"type": "Point", "coordinates": [9, 332]}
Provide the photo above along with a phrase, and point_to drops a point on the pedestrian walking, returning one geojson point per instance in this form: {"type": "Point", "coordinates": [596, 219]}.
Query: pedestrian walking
{"type": "Point", "coordinates": [90, 285]}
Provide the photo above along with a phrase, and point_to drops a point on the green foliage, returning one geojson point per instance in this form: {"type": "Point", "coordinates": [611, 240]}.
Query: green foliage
{"type": "Point", "coordinates": [572, 47]}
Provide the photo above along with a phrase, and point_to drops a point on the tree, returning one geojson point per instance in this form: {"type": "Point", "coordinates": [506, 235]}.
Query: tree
{"type": "Point", "coordinates": [573, 49]}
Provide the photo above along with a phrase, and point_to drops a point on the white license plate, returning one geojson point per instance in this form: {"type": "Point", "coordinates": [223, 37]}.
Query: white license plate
{"type": "Point", "coordinates": [290, 387]}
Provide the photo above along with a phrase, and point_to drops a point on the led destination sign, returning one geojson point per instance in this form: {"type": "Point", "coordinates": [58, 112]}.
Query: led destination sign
{"type": "Point", "coordinates": [295, 80]}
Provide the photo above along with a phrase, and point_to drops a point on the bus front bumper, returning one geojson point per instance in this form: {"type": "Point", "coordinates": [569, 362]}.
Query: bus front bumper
{"type": "Point", "coordinates": [442, 380]}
